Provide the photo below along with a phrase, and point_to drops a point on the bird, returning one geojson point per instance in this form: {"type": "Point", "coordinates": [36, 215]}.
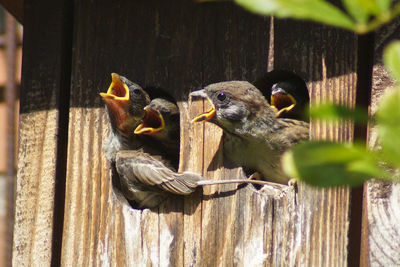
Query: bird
{"type": "Point", "coordinates": [254, 137]}
{"type": "Point", "coordinates": [149, 173]}
{"type": "Point", "coordinates": [161, 123]}
{"type": "Point", "coordinates": [286, 92]}
{"type": "Point", "coordinates": [125, 102]}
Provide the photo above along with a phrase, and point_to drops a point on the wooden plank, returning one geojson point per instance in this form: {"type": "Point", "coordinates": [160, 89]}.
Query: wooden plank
{"type": "Point", "coordinates": [326, 58]}
{"type": "Point", "coordinates": [234, 222]}
{"type": "Point", "coordinates": [45, 79]}
{"type": "Point", "coordinates": [381, 235]}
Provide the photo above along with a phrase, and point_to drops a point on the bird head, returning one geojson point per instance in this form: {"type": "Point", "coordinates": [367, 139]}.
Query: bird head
{"type": "Point", "coordinates": [290, 98]}
{"type": "Point", "coordinates": [236, 106]}
{"type": "Point", "coordinates": [281, 99]}
{"type": "Point", "coordinates": [125, 101]}
{"type": "Point", "coordinates": [161, 120]}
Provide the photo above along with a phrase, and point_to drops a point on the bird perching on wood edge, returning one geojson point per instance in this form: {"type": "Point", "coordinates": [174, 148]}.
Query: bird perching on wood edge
{"type": "Point", "coordinates": [254, 137]}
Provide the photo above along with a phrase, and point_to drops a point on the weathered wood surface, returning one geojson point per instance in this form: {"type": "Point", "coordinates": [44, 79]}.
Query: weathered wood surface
{"type": "Point", "coordinates": [381, 214]}
{"type": "Point", "coordinates": [40, 131]}
{"type": "Point", "coordinates": [182, 47]}
{"type": "Point", "coordinates": [326, 58]}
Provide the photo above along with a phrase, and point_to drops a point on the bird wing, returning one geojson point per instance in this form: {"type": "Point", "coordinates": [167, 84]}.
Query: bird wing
{"type": "Point", "coordinates": [295, 131]}
{"type": "Point", "coordinates": [143, 168]}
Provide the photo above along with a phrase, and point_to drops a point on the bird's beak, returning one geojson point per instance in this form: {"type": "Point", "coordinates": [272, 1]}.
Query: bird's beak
{"type": "Point", "coordinates": [282, 102]}
{"type": "Point", "coordinates": [117, 91]}
{"type": "Point", "coordinates": [117, 99]}
{"type": "Point", "coordinates": [153, 122]}
{"type": "Point", "coordinates": [206, 116]}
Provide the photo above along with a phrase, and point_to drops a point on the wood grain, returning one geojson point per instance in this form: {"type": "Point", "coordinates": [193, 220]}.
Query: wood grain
{"type": "Point", "coordinates": [381, 235]}
{"type": "Point", "coordinates": [182, 47]}
{"type": "Point", "coordinates": [326, 58]}
{"type": "Point", "coordinates": [40, 132]}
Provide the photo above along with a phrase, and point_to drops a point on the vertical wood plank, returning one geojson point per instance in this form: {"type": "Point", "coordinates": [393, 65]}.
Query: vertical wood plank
{"type": "Point", "coordinates": [381, 235]}
{"type": "Point", "coordinates": [326, 58]}
{"type": "Point", "coordinates": [45, 81]}
{"type": "Point", "coordinates": [233, 221]}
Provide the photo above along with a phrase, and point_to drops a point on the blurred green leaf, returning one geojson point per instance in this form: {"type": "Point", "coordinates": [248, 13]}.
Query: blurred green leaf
{"type": "Point", "coordinates": [391, 58]}
{"type": "Point", "coordinates": [331, 164]}
{"type": "Point", "coordinates": [383, 5]}
{"type": "Point", "coordinates": [335, 112]}
{"type": "Point", "coordinates": [388, 119]}
{"type": "Point", "coordinates": [370, 7]}
{"type": "Point", "coordinates": [358, 9]}
{"type": "Point", "coordinates": [316, 10]}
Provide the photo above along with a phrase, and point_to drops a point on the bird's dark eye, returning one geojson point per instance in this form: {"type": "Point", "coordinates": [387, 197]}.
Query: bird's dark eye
{"type": "Point", "coordinates": [136, 91]}
{"type": "Point", "coordinates": [221, 96]}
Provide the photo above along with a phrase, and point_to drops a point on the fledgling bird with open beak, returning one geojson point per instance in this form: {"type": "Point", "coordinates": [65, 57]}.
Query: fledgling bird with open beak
{"type": "Point", "coordinates": [254, 137]}
{"type": "Point", "coordinates": [286, 92]}
{"type": "Point", "coordinates": [124, 101]}
{"type": "Point", "coordinates": [150, 172]}
{"type": "Point", "coordinates": [290, 99]}
{"type": "Point", "coordinates": [161, 123]}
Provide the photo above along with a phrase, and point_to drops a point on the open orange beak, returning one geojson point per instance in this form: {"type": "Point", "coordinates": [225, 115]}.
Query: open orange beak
{"type": "Point", "coordinates": [282, 102]}
{"type": "Point", "coordinates": [117, 90]}
{"type": "Point", "coordinates": [208, 115]}
{"type": "Point", "coordinates": [153, 122]}
{"type": "Point", "coordinates": [117, 99]}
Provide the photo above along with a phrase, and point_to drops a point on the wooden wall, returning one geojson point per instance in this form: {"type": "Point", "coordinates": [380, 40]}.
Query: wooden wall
{"type": "Point", "coordinates": [67, 211]}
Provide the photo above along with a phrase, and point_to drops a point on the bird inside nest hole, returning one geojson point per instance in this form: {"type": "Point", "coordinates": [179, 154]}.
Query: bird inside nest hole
{"type": "Point", "coordinates": [257, 127]}
{"type": "Point", "coordinates": [286, 92]}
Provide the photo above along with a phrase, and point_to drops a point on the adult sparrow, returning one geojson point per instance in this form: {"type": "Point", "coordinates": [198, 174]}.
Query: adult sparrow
{"type": "Point", "coordinates": [253, 136]}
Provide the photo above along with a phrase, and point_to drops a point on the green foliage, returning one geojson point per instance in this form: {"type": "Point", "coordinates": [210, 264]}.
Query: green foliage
{"type": "Point", "coordinates": [316, 10]}
{"type": "Point", "coordinates": [388, 119]}
{"type": "Point", "coordinates": [361, 16]}
{"type": "Point", "coordinates": [336, 112]}
{"type": "Point", "coordinates": [391, 58]}
{"type": "Point", "coordinates": [331, 164]}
